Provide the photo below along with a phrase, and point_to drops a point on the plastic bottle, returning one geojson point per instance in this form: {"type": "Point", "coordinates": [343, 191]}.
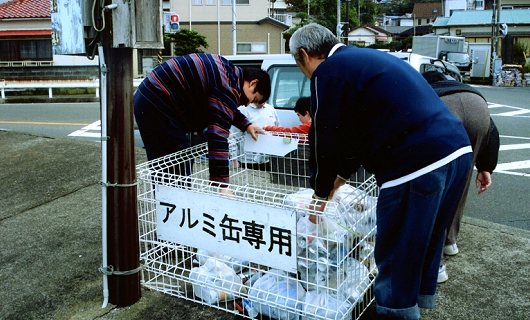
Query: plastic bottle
{"type": "Point", "coordinates": [249, 308]}
{"type": "Point", "coordinates": [245, 276]}
{"type": "Point", "coordinates": [254, 278]}
{"type": "Point", "coordinates": [301, 244]}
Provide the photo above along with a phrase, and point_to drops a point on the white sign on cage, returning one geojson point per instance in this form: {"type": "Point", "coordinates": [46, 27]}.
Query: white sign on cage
{"type": "Point", "coordinates": [270, 144]}
{"type": "Point", "coordinates": [248, 231]}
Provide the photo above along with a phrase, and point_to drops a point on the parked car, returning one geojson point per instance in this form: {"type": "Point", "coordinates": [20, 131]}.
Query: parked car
{"type": "Point", "coordinates": [288, 83]}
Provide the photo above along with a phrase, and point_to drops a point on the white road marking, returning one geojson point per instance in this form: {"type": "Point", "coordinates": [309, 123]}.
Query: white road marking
{"type": "Point", "coordinates": [513, 113]}
{"type": "Point", "coordinates": [518, 146]}
{"type": "Point", "coordinates": [93, 130]}
{"type": "Point", "coordinates": [516, 165]}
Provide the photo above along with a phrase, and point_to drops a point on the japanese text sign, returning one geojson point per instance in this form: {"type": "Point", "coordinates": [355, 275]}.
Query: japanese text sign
{"type": "Point", "coordinates": [247, 231]}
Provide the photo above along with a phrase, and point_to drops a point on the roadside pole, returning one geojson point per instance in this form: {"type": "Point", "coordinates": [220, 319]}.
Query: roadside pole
{"type": "Point", "coordinates": [122, 212]}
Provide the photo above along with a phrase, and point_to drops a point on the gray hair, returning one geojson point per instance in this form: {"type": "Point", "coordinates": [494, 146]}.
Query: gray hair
{"type": "Point", "coordinates": [314, 38]}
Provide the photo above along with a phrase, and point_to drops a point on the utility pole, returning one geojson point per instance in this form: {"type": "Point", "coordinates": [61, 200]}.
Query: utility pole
{"type": "Point", "coordinates": [498, 22]}
{"type": "Point", "coordinates": [492, 46]}
{"type": "Point", "coordinates": [133, 24]}
{"type": "Point", "coordinates": [122, 212]}
{"type": "Point", "coordinates": [347, 23]}
{"type": "Point", "coordinates": [122, 207]}
{"type": "Point", "coordinates": [138, 25]}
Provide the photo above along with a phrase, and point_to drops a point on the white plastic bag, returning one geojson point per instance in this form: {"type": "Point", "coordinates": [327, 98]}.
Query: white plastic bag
{"type": "Point", "coordinates": [215, 281]}
{"type": "Point", "coordinates": [234, 263]}
{"type": "Point", "coordinates": [357, 280]}
{"type": "Point", "coordinates": [275, 293]}
{"type": "Point", "coordinates": [325, 305]}
{"type": "Point", "coordinates": [357, 208]}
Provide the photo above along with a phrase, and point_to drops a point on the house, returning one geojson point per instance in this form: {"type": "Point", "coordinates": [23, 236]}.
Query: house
{"type": "Point", "coordinates": [25, 32]}
{"type": "Point", "coordinates": [257, 26]}
{"type": "Point", "coordinates": [407, 25]}
{"type": "Point", "coordinates": [426, 13]}
{"type": "Point", "coordinates": [26, 35]}
{"type": "Point", "coordinates": [476, 25]}
{"type": "Point", "coordinates": [369, 34]}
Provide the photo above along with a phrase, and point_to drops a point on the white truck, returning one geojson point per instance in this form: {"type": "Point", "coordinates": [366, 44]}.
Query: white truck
{"type": "Point", "coordinates": [446, 48]}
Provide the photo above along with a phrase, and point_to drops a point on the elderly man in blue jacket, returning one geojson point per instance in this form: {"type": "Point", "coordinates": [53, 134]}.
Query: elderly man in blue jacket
{"type": "Point", "coordinates": [372, 109]}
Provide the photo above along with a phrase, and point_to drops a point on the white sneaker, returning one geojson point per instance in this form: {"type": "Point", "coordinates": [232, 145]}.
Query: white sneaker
{"type": "Point", "coordinates": [450, 249]}
{"type": "Point", "coordinates": [442, 274]}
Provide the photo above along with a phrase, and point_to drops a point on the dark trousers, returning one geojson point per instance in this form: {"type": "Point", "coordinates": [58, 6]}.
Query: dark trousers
{"type": "Point", "coordinates": [161, 135]}
{"type": "Point", "coordinates": [411, 222]}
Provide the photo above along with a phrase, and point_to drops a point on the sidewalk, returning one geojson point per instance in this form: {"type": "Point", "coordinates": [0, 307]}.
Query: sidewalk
{"type": "Point", "coordinates": [50, 226]}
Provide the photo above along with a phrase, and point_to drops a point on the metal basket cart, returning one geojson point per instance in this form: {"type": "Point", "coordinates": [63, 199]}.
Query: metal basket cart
{"type": "Point", "coordinates": [254, 251]}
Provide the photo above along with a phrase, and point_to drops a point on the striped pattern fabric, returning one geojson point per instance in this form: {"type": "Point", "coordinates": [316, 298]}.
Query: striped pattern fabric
{"type": "Point", "coordinates": [200, 91]}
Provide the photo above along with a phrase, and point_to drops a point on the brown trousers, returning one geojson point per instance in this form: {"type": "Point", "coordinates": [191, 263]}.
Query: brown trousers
{"type": "Point", "coordinates": [473, 111]}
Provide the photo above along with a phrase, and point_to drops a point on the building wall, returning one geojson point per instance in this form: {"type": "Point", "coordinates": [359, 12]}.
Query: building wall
{"type": "Point", "coordinates": [25, 24]}
{"type": "Point", "coordinates": [219, 37]}
{"type": "Point", "coordinates": [361, 35]}
{"type": "Point", "coordinates": [50, 73]}
{"type": "Point", "coordinates": [187, 11]}
{"type": "Point", "coordinates": [452, 5]}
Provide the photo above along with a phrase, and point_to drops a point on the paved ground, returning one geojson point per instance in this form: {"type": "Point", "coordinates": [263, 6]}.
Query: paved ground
{"type": "Point", "coordinates": [50, 227]}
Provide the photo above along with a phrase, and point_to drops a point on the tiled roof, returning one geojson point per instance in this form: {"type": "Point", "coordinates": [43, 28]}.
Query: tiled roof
{"type": "Point", "coordinates": [25, 9]}
{"type": "Point", "coordinates": [427, 10]}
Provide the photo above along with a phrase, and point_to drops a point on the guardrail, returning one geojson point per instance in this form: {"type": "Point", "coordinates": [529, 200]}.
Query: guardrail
{"type": "Point", "coordinates": [25, 63]}
{"type": "Point", "coordinates": [21, 85]}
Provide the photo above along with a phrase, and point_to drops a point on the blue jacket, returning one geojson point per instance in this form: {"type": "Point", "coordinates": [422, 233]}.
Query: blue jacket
{"type": "Point", "coordinates": [372, 109]}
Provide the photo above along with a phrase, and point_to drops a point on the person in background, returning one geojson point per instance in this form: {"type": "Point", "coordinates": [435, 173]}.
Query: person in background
{"type": "Point", "coordinates": [468, 105]}
{"type": "Point", "coordinates": [189, 93]}
{"type": "Point", "coordinates": [260, 115]}
{"type": "Point", "coordinates": [302, 111]}
{"type": "Point", "coordinates": [372, 109]}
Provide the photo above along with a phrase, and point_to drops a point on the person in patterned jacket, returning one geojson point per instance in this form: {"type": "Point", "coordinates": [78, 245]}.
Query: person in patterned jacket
{"type": "Point", "coordinates": [191, 93]}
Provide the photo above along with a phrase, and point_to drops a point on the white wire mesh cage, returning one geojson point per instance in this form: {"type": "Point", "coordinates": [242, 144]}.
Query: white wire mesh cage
{"type": "Point", "coordinates": [252, 249]}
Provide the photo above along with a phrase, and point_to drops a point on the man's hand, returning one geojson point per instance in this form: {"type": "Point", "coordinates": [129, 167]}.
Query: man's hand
{"type": "Point", "coordinates": [483, 181]}
{"type": "Point", "coordinates": [252, 130]}
{"type": "Point", "coordinates": [317, 207]}
{"type": "Point", "coordinates": [339, 182]}
{"type": "Point", "coordinates": [226, 192]}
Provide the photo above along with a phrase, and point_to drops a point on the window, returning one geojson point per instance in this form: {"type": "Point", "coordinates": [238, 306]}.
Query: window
{"type": "Point", "coordinates": [458, 32]}
{"type": "Point", "coordinates": [419, 22]}
{"type": "Point", "coordinates": [290, 85]}
{"type": "Point", "coordinates": [26, 50]}
{"type": "Point", "coordinates": [251, 47]}
{"type": "Point", "coordinates": [229, 2]}
{"type": "Point", "coordinates": [480, 4]}
{"type": "Point", "coordinates": [197, 2]}
{"type": "Point", "coordinates": [211, 2]}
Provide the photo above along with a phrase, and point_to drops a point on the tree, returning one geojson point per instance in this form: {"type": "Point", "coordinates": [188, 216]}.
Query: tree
{"type": "Point", "coordinates": [322, 12]}
{"type": "Point", "coordinates": [368, 11]}
{"type": "Point", "coordinates": [187, 41]}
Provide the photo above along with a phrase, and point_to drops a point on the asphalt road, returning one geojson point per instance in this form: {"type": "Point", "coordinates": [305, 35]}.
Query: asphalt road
{"type": "Point", "coordinates": [507, 202]}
